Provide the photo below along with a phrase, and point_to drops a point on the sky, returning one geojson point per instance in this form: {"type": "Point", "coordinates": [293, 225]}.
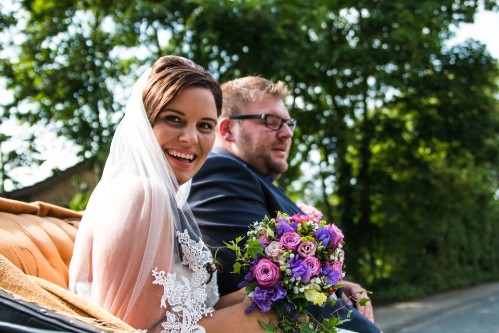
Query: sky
{"type": "Point", "coordinates": [485, 29]}
{"type": "Point", "coordinates": [61, 154]}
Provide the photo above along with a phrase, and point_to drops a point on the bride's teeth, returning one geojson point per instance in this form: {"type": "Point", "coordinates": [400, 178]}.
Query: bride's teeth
{"type": "Point", "coordinates": [181, 155]}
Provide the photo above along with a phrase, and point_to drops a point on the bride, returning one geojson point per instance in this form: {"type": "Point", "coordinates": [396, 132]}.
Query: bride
{"type": "Point", "coordinates": [138, 252]}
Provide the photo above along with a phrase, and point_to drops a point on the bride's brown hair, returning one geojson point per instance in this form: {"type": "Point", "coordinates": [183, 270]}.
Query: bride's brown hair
{"type": "Point", "coordinates": [169, 76]}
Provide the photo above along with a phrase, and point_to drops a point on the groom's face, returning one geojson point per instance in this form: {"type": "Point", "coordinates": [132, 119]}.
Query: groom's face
{"type": "Point", "coordinates": [264, 149]}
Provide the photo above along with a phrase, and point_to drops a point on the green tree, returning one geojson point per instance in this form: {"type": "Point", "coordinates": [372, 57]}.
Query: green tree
{"type": "Point", "coordinates": [64, 73]}
{"type": "Point", "coordinates": [438, 213]}
{"type": "Point", "coordinates": [14, 155]}
{"type": "Point", "coordinates": [398, 133]}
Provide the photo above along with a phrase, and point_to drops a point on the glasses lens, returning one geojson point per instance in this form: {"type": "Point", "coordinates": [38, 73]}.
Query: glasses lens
{"type": "Point", "coordinates": [273, 122]}
{"type": "Point", "coordinates": [291, 124]}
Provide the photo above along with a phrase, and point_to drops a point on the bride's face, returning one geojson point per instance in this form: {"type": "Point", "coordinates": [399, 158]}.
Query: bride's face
{"type": "Point", "coordinates": [185, 130]}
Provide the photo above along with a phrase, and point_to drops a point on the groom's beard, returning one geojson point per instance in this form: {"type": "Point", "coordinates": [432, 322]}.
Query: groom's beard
{"type": "Point", "coordinates": [258, 154]}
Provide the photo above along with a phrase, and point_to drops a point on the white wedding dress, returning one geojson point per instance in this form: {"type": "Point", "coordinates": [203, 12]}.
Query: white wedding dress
{"type": "Point", "coordinates": [173, 293]}
{"type": "Point", "coordinates": [186, 294]}
{"type": "Point", "coordinates": [138, 252]}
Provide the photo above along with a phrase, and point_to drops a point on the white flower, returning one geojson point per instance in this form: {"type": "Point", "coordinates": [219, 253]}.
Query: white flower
{"type": "Point", "coordinates": [273, 249]}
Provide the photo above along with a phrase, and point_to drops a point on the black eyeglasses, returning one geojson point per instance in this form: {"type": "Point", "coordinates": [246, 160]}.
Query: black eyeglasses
{"type": "Point", "coordinates": [271, 121]}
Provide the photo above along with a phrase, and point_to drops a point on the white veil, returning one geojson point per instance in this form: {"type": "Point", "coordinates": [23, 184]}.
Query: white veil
{"type": "Point", "coordinates": [128, 228]}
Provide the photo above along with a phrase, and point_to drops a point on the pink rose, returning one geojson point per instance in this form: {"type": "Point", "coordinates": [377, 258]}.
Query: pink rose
{"type": "Point", "coordinates": [290, 240]}
{"type": "Point", "coordinates": [310, 211]}
{"type": "Point", "coordinates": [337, 234]}
{"type": "Point", "coordinates": [273, 249]}
{"type": "Point", "coordinates": [338, 267]}
{"type": "Point", "coordinates": [314, 264]}
{"type": "Point", "coordinates": [306, 249]}
{"type": "Point", "coordinates": [300, 218]}
{"type": "Point", "coordinates": [266, 272]}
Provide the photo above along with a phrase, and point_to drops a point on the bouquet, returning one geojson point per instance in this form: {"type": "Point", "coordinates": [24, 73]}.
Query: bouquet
{"type": "Point", "coordinates": [289, 263]}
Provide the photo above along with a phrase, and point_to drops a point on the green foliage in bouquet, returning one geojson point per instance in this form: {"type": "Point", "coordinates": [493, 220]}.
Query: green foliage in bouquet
{"type": "Point", "coordinates": [291, 263]}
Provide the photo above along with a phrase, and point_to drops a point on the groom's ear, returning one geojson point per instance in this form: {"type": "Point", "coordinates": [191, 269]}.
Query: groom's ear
{"type": "Point", "coordinates": [225, 129]}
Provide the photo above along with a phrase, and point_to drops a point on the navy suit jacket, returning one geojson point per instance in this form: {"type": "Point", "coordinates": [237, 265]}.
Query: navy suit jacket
{"type": "Point", "coordinates": [226, 196]}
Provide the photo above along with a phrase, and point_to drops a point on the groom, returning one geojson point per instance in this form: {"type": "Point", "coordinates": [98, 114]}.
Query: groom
{"type": "Point", "coordinates": [234, 187]}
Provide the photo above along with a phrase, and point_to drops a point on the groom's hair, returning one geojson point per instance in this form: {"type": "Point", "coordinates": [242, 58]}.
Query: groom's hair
{"type": "Point", "coordinates": [239, 92]}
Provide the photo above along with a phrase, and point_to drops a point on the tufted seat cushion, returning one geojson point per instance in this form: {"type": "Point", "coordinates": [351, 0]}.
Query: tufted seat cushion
{"type": "Point", "coordinates": [38, 238]}
{"type": "Point", "coordinates": [36, 245]}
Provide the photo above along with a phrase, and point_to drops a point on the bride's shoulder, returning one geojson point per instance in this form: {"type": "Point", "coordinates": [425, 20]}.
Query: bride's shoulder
{"type": "Point", "coordinates": [129, 182]}
{"type": "Point", "coordinates": [123, 189]}
{"type": "Point", "coordinates": [121, 198]}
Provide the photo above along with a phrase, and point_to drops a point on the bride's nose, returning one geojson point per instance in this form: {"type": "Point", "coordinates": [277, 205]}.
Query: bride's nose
{"type": "Point", "coordinates": [189, 135]}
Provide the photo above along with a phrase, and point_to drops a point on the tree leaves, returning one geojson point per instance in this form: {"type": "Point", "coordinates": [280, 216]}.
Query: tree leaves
{"type": "Point", "coordinates": [397, 135]}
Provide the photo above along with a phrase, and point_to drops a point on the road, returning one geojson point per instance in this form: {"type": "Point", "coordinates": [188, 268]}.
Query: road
{"type": "Point", "coordinates": [481, 317]}
{"type": "Point", "coordinates": [474, 309]}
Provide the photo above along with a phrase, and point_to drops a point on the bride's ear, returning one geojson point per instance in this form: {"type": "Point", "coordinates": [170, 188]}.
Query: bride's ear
{"type": "Point", "coordinates": [225, 129]}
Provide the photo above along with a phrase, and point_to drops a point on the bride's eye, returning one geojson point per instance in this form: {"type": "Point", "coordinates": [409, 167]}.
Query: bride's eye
{"type": "Point", "coordinates": [173, 120]}
{"type": "Point", "coordinates": [205, 127]}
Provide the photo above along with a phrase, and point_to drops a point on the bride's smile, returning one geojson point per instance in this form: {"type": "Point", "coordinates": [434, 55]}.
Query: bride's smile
{"type": "Point", "coordinates": [185, 130]}
{"type": "Point", "coordinates": [182, 156]}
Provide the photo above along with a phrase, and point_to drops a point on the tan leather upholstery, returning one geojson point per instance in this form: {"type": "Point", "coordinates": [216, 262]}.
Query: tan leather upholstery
{"type": "Point", "coordinates": [38, 238]}
{"type": "Point", "coordinates": [36, 245]}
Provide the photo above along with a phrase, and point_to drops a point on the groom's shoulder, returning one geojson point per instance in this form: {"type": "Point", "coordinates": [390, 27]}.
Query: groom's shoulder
{"type": "Point", "coordinates": [223, 160]}
{"type": "Point", "coordinates": [222, 167]}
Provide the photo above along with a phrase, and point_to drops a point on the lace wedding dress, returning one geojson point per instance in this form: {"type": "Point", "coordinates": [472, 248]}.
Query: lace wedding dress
{"type": "Point", "coordinates": [174, 292]}
{"type": "Point", "coordinates": [187, 295]}
{"type": "Point", "coordinates": [138, 252]}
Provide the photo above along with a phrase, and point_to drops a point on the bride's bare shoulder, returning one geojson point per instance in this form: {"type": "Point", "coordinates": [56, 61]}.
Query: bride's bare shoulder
{"type": "Point", "coordinates": [124, 189]}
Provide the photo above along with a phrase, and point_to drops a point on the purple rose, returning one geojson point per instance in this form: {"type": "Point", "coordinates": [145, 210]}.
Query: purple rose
{"type": "Point", "coordinates": [314, 264]}
{"type": "Point", "coordinates": [300, 269]}
{"type": "Point", "coordinates": [332, 273]}
{"type": "Point", "coordinates": [280, 219]}
{"type": "Point", "coordinates": [290, 240]}
{"type": "Point", "coordinates": [279, 291]}
{"type": "Point", "coordinates": [261, 296]}
{"type": "Point", "coordinates": [293, 221]}
{"type": "Point", "coordinates": [283, 227]}
{"type": "Point", "coordinates": [264, 296]}
{"type": "Point", "coordinates": [306, 249]}
{"type": "Point", "coordinates": [338, 267]}
{"type": "Point", "coordinates": [324, 235]}
{"type": "Point", "coordinates": [266, 272]}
